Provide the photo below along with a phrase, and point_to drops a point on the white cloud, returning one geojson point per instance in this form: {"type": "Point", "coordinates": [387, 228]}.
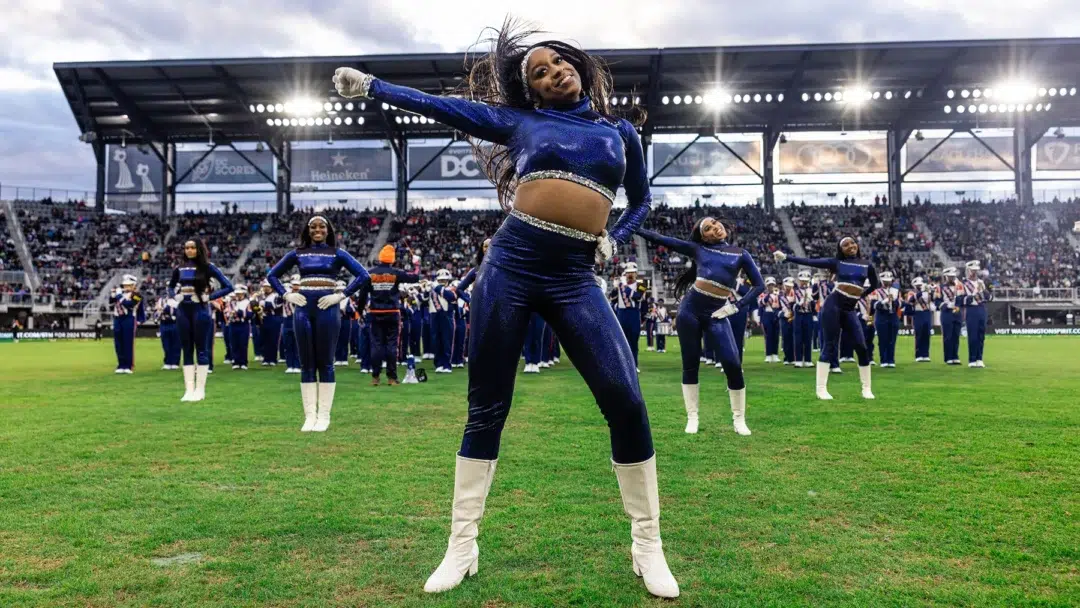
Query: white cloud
{"type": "Point", "coordinates": [37, 132]}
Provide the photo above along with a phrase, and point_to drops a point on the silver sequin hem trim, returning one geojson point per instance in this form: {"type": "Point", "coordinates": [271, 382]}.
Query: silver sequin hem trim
{"type": "Point", "coordinates": [556, 228]}
{"type": "Point", "coordinates": [706, 293]}
{"type": "Point", "coordinates": [715, 284]}
{"type": "Point", "coordinates": [570, 177]}
{"type": "Point", "coordinates": [365, 85]}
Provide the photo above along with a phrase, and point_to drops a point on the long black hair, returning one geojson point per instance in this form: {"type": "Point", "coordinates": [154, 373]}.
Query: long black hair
{"type": "Point", "coordinates": [840, 255]}
{"type": "Point", "coordinates": [202, 265]}
{"type": "Point", "coordinates": [496, 79]}
{"type": "Point", "coordinates": [480, 252]}
{"type": "Point", "coordinates": [305, 234]}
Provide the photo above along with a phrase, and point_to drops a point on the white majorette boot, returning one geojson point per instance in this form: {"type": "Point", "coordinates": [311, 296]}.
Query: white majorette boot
{"type": "Point", "coordinates": [325, 404]}
{"type": "Point", "coordinates": [690, 400]}
{"type": "Point", "coordinates": [200, 382]}
{"type": "Point", "coordinates": [864, 377]}
{"type": "Point", "coordinates": [472, 481]}
{"type": "Point", "coordinates": [309, 395]}
{"type": "Point", "coordinates": [823, 381]}
{"type": "Point", "coordinates": [641, 501]}
{"type": "Point", "coordinates": [738, 411]}
{"type": "Point", "coordinates": [189, 383]}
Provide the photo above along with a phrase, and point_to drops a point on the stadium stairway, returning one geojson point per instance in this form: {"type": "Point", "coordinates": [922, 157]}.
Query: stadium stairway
{"type": "Point", "coordinates": [15, 228]}
{"type": "Point", "coordinates": [235, 271]}
{"type": "Point", "coordinates": [1051, 218]}
{"type": "Point", "coordinates": [790, 234]}
{"type": "Point", "coordinates": [938, 251]}
{"type": "Point", "coordinates": [380, 239]}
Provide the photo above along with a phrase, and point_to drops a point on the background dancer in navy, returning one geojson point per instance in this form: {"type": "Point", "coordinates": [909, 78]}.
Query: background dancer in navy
{"type": "Point", "coordinates": [975, 296]}
{"type": "Point", "coordinates": [190, 287]}
{"type": "Point", "coordinates": [170, 336]}
{"type": "Point", "coordinates": [920, 306]}
{"type": "Point", "coordinates": [272, 320]}
{"type": "Point", "coordinates": [739, 319]}
{"type": "Point", "coordinates": [442, 299]}
{"type": "Point", "coordinates": [127, 313]}
{"type": "Point", "coordinates": [838, 313]}
{"type": "Point", "coordinates": [317, 318]}
{"type": "Point", "coordinates": [708, 285]}
{"type": "Point", "coordinates": [866, 316]}
{"type": "Point", "coordinates": [769, 317]}
{"type": "Point", "coordinates": [952, 316]}
{"type": "Point", "coordinates": [628, 294]}
{"type": "Point", "coordinates": [886, 300]}
{"type": "Point", "coordinates": [383, 294]}
{"type": "Point", "coordinates": [559, 155]}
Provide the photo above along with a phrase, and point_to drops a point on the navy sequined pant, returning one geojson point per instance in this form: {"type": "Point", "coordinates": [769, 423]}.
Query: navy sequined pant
{"type": "Point", "coordinates": [694, 321]}
{"type": "Point", "coordinates": [316, 337]}
{"type": "Point", "coordinates": [529, 269]}
{"type": "Point", "coordinates": [196, 328]}
{"type": "Point", "coordinates": [838, 315]}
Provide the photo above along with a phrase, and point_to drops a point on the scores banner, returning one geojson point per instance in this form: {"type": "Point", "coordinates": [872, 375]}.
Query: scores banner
{"type": "Point", "coordinates": [224, 167]}
{"type": "Point", "coordinates": [707, 159]}
{"type": "Point", "coordinates": [832, 157]}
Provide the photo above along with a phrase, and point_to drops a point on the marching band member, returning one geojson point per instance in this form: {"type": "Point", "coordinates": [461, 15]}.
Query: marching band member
{"type": "Point", "coordinates": [709, 284]}
{"type": "Point", "coordinates": [461, 316]}
{"type": "Point", "coordinates": [628, 295]}
{"type": "Point", "coordinates": [127, 312]}
{"type": "Point", "coordinates": [288, 334]}
{"type": "Point", "coordinates": [272, 320]}
{"type": "Point", "coordinates": [920, 308]}
{"type": "Point", "coordinates": [975, 295]}
{"type": "Point", "coordinates": [534, 344]}
{"type": "Point", "coordinates": [442, 319]}
{"type": "Point", "coordinates": [317, 318]}
{"type": "Point", "coordinates": [170, 337]}
{"type": "Point", "coordinates": [193, 319]}
{"type": "Point", "coordinates": [803, 328]}
{"type": "Point", "coordinates": [560, 155]}
{"type": "Point", "coordinates": [948, 298]}
{"type": "Point", "coordinates": [240, 317]}
{"type": "Point", "coordinates": [383, 293]}
{"type": "Point", "coordinates": [739, 319]}
{"type": "Point", "coordinates": [348, 313]}
{"type": "Point", "coordinates": [769, 316]}
{"type": "Point", "coordinates": [364, 325]}
{"type": "Point", "coordinates": [866, 315]}
{"type": "Point", "coordinates": [650, 323]}
{"type": "Point", "coordinates": [886, 300]}
{"type": "Point", "coordinates": [787, 320]}
{"type": "Point", "coordinates": [838, 314]}
{"type": "Point", "coordinates": [427, 333]}
{"type": "Point", "coordinates": [663, 326]}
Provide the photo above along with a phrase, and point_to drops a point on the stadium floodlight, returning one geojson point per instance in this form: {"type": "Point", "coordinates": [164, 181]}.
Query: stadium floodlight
{"type": "Point", "coordinates": [664, 100]}
{"type": "Point", "coordinates": [888, 94]}
{"type": "Point", "coordinates": [972, 108]}
{"type": "Point", "coordinates": [780, 97]}
{"type": "Point", "coordinates": [1039, 107]}
{"type": "Point", "coordinates": [676, 100]}
{"type": "Point", "coordinates": [806, 97]}
{"type": "Point", "coordinates": [359, 120]}
{"type": "Point", "coordinates": [738, 98]}
{"type": "Point", "coordinates": [907, 94]}
{"type": "Point", "coordinates": [698, 99]}
{"type": "Point", "coordinates": [1043, 92]}
{"type": "Point", "coordinates": [817, 96]}
{"type": "Point", "coordinates": [768, 98]}
{"type": "Point", "coordinates": [269, 122]}
{"type": "Point", "coordinates": [757, 97]}
{"type": "Point", "coordinates": [948, 109]}
{"type": "Point", "coordinates": [687, 99]}
{"type": "Point", "coordinates": [397, 119]}
{"type": "Point", "coordinates": [959, 109]}
{"type": "Point", "coordinates": [965, 93]}
{"type": "Point", "coordinates": [1016, 91]}
{"type": "Point", "coordinates": [337, 121]}
{"type": "Point", "coordinates": [857, 95]}
{"type": "Point", "coordinates": [637, 100]}
{"type": "Point", "coordinates": [838, 96]}
{"type": "Point", "coordinates": [260, 108]}
{"type": "Point", "coordinates": [950, 94]}
{"type": "Point", "coordinates": [251, 108]}
{"type": "Point", "coordinates": [983, 108]}
{"type": "Point", "coordinates": [1053, 92]}
{"type": "Point", "coordinates": [279, 108]}
{"type": "Point", "coordinates": [348, 120]}
{"type": "Point", "coordinates": [828, 96]}
{"type": "Point", "coordinates": [1029, 107]}
{"type": "Point", "coordinates": [877, 94]}
{"type": "Point", "coordinates": [717, 98]}
{"type": "Point", "coordinates": [327, 106]}
{"type": "Point", "coordinates": [1072, 92]}
{"type": "Point", "coordinates": [349, 107]}
{"type": "Point", "coordinates": [337, 106]}
{"type": "Point", "coordinates": [977, 93]}
{"type": "Point", "coordinates": [1047, 107]}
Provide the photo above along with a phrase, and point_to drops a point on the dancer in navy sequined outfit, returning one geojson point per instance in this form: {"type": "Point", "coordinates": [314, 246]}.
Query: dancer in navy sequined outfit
{"type": "Point", "coordinates": [559, 154]}
{"type": "Point", "coordinates": [316, 315]}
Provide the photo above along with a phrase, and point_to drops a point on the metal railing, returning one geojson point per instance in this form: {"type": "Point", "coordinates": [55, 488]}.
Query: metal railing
{"type": "Point", "coordinates": [1035, 294]}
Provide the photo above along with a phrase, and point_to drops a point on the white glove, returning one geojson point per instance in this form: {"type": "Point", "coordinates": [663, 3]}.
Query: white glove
{"type": "Point", "coordinates": [205, 298]}
{"type": "Point", "coordinates": [416, 260]}
{"type": "Point", "coordinates": [296, 299]}
{"type": "Point", "coordinates": [331, 300]}
{"type": "Point", "coordinates": [127, 295]}
{"type": "Point", "coordinates": [725, 311]}
{"type": "Point", "coordinates": [894, 293]}
{"type": "Point", "coordinates": [171, 302]}
{"type": "Point", "coordinates": [351, 82]}
{"type": "Point", "coordinates": [605, 248]}
{"type": "Point", "coordinates": [779, 256]}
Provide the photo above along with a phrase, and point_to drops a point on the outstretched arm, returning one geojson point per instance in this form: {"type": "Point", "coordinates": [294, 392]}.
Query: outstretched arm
{"type": "Point", "coordinates": [684, 247]}
{"type": "Point", "coordinates": [490, 123]}
{"type": "Point", "coordinates": [827, 263]}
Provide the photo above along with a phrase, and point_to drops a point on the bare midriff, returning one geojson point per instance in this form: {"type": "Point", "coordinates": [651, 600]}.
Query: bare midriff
{"type": "Point", "coordinates": [852, 290]}
{"type": "Point", "coordinates": [711, 288]}
{"type": "Point", "coordinates": [564, 203]}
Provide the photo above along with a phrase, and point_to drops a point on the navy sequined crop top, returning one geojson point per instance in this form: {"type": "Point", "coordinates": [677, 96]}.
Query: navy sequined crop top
{"type": "Point", "coordinates": [318, 262]}
{"type": "Point", "coordinates": [717, 263]}
{"type": "Point", "coordinates": [573, 143]}
{"type": "Point", "coordinates": [184, 278]}
{"type": "Point", "coordinates": [851, 271]}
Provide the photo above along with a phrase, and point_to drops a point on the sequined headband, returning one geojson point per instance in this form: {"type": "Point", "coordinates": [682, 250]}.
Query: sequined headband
{"type": "Point", "coordinates": [318, 217]}
{"type": "Point", "coordinates": [525, 68]}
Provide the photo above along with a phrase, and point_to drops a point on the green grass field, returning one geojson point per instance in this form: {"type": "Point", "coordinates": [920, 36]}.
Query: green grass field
{"type": "Point", "coordinates": [955, 487]}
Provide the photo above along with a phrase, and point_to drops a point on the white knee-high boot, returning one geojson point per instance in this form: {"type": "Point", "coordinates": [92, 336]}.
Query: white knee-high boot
{"type": "Point", "coordinates": [309, 395]}
{"type": "Point", "coordinates": [738, 410]}
{"type": "Point", "coordinates": [200, 382]}
{"type": "Point", "coordinates": [641, 501]}
{"type": "Point", "coordinates": [472, 481]}
{"type": "Point", "coordinates": [823, 381]}
{"type": "Point", "coordinates": [690, 394]}
{"type": "Point", "coordinates": [189, 383]}
{"type": "Point", "coordinates": [864, 378]}
{"type": "Point", "coordinates": [325, 404]}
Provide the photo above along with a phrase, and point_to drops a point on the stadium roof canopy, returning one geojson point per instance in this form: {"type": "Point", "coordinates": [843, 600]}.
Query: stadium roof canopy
{"type": "Point", "coordinates": [909, 85]}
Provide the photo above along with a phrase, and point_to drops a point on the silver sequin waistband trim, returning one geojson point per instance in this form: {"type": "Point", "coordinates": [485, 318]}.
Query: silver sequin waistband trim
{"type": "Point", "coordinates": [715, 284]}
{"type": "Point", "coordinates": [844, 293]}
{"type": "Point", "coordinates": [556, 228]}
{"type": "Point", "coordinates": [316, 288]}
{"type": "Point", "coordinates": [706, 293]}
{"type": "Point", "coordinates": [570, 177]}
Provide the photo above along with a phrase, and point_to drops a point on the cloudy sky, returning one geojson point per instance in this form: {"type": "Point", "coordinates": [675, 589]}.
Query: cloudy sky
{"type": "Point", "coordinates": [38, 145]}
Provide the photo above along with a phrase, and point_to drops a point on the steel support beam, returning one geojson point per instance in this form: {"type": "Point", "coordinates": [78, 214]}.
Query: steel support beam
{"type": "Point", "coordinates": [253, 165]}
{"type": "Point", "coordinates": [983, 143]}
{"type": "Point", "coordinates": [1022, 159]}
{"type": "Point", "coordinates": [284, 178]}
{"type": "Point", "coordinates": [431, 160]}
{"type": "Point", "coordinates": [184, 175]}
{"type": "Point", "coordinates": [894, 143]}
{"type": "Point", "coordinates": [99, 192]}
{"type": "Point", "coordinates": [137, 118]}
{"type": "Point", "coordinates": [780, 116]}
{"type": "Point", "coordinates": [241, 99]}
{"type": "Point", "coordinates": [673, 159]}
{"type": "Point", "coordinates": [905, 118]}
{"type": "Point", "coordinates": [768, 174]}
{"type": "Point", "coordinates": [736, 155]}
